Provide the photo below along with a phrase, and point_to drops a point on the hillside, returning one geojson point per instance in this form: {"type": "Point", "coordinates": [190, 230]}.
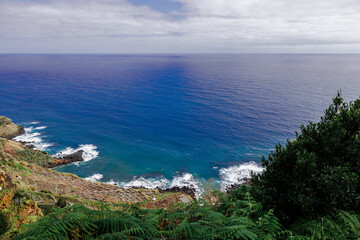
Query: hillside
{"type": "Point", "coordinates": [28, 185]}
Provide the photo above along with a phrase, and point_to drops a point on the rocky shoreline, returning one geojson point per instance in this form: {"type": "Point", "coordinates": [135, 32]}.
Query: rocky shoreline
{"type": "Point", "coordinates": [10, 130]}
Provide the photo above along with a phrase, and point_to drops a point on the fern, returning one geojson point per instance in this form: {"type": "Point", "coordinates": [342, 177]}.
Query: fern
{"type": "Point", "coordinates": [244, 220]}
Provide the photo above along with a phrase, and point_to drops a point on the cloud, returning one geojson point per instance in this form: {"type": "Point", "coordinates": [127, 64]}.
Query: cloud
{"type": "Point", "coordinates": [200, 26]}
{"type": "Point", "coordinates": [66, 19]}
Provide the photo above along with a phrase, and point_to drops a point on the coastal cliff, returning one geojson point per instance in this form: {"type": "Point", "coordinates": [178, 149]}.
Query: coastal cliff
{"type": "Point", "coordinates": [28, 186]}
{"type": "Point", "coordinates": [8, 129]}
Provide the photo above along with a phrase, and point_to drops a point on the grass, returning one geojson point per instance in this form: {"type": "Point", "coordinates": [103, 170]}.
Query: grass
{"type": "Point", "coordinates": [4, 121]}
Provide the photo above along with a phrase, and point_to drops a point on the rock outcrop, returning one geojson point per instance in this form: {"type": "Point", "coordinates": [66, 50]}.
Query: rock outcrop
{"type": "Point", "coordinates": [8, 129]}
{"type": "Point", "coordinates": [67, 159]}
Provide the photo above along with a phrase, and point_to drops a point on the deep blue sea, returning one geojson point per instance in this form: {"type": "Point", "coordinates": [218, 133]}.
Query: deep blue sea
{"type": "Point", "coordinates": [156, 117]}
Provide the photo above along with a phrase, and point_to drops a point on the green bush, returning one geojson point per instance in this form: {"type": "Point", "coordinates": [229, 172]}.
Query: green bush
{"type": "Point", "coordinates": [319, 171]}
{"type": "Point", "coordinates": [46, 209]}
{"type": "Point", "coordinates": [61, 203]}
{"type": "Point", "coordinates": [4, 223]}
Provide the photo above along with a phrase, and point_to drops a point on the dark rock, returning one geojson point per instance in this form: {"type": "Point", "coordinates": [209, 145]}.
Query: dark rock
{"type": "Point", "coordinates": [246, 181]}
{"type": "Point", "coordinates": [75, 157]}
{"type": "Point", "coordinates": [67, 159]}
{"type": "Point", "coordinates": [27, 144]}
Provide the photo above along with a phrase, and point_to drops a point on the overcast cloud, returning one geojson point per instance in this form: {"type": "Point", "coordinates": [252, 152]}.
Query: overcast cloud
{"type": "Point", "coordinates": [118, 26]}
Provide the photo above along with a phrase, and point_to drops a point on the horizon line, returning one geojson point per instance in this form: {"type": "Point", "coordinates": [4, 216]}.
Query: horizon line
{"type": "Point", "coordinates": [186, 53]}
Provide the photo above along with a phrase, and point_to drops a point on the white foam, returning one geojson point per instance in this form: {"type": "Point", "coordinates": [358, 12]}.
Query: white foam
{"type": "Point", "coordinates": [95, 177]}
{"type": "Point", "coordinates": [112, 182]}
{"type": "Point", "coordinates": [89, 152]}
{"type": "Point", "coordinates": [35, 122]}
{"type": "Point", "coordinates": [184, 180]}
{"type": "Point", "coordinates": [187, 180]}
{"type": "Point", "coordinates": [40, 128]}
{"type": "Point", "coordinates": [34, 138]}
{"type": "Point", "coordinates": [237, 174]}
{"type": "Point", "coordinates": [150, 183]}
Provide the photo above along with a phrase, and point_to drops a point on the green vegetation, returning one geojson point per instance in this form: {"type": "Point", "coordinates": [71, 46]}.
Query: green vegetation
{"type": "Point", "coordinates": [319, 172]}
{"type": "Point", "coordinates": [236, 216]}
{"type": "Point", "coordinates": [39, 158]}
{"type": "Point", "coordinates": [4, 223]}
{"type": "Point", "coordinates": [4, 120]}
{"type": "Point", "coordinates": [309, 190]}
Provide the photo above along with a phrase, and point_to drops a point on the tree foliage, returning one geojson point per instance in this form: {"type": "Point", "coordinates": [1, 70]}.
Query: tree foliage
{"type": "Point", "coordinates": [319, 171]}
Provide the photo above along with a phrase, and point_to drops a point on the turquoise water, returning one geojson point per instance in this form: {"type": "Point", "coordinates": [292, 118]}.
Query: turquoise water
{"type": "Point", "coordinates": [159, 116]}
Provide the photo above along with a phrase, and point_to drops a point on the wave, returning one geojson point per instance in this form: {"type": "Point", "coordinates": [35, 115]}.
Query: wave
{"type": "Point", "coordinates": [229, 177]}
{"type": "Point", "coordinates": [89, 152]}
{"type": "Point", "coordinates": [150, 183]}
{"type": "Point", "coordinates": [238, 174]}
{"type": "Point", "coordinates": [32, 137]}
{"type": "Point", "coordinates": [40, 128]}
{"type": "Point", "coordinates": [112, 182]}
{"type": "Point", "coordinates": [183, 180]}
{"type": "Point", "coordinates": [95, 177]}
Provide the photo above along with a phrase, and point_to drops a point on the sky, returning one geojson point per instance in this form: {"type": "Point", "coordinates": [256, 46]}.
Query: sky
{"type": "Point", "coordinates": [179, 26]}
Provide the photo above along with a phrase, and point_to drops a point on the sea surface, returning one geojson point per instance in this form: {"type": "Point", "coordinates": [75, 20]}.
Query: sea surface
{"type": "Point", "coordinates": [166, 120]}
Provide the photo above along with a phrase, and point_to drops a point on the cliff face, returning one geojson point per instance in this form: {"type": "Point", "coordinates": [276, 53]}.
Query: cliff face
{"type": "Point", "coordinates": [8, 129]}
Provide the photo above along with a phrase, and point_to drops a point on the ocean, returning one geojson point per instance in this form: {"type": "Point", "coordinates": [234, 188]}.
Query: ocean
{"type": "Point", "coordinates": [167, 120]}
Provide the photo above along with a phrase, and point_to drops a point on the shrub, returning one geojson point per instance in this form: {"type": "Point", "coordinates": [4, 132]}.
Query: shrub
{"type": "Point", "coordinates": [319, 171]}
{"type": "Point", "coordinates": [61, 203]}
{"type": "Point", "coordinates": [4, 223]}
{"type": "Point", "coordinates": [46, 209]}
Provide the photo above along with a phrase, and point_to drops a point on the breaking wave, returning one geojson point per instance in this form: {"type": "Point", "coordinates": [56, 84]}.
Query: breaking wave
{"type": "Point", "coordinates": [33, 137]}
{"type": "Point", "coordinates": [95, 177]}
{"type": "Point", "coordinates": [89, 151]}
{"type": "Point", "coordinates": [229, 177]}
{"type": "Point", "coordinates": [183, 180]}
{"type": "Point", "coordinates": [238, 174]}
